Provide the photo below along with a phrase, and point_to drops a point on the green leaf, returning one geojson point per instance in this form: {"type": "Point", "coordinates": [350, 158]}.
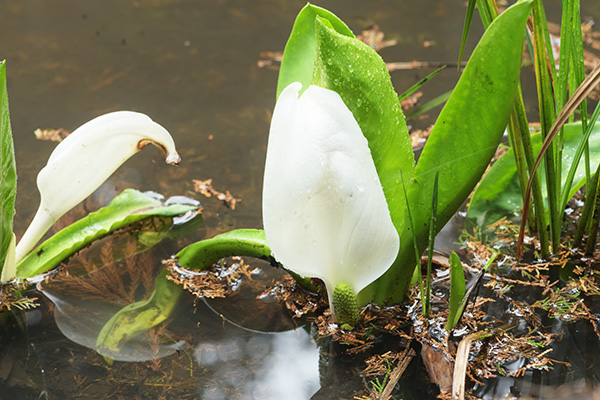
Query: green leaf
{"type": "Point", "coordinates": [128, 207]}
{"type": "Point", "coordinates": [457, 290]}
{"type": "Point", "coordinates": [240, 242]}
{"type": "Point", "coordinates": [499, 193]}
{"type": "Point", "coordinates": [462, 142]}
{"type": "Point", "coordinates": [300, 51]}
{"type": "Point", "coordinates": [418, 85]}
{"type": "Point", "coordinates": [355, 71]}
{"type": "Point", "coordinates": [8, 171]}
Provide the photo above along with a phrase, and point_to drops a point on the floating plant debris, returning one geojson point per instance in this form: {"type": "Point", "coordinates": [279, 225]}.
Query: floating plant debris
{"type": "Point", "coordinates": [10, 299]}
{"type": "Point", "coordinates": [206, 189]}
{"type": "Point", "coordinates": [54, 135]}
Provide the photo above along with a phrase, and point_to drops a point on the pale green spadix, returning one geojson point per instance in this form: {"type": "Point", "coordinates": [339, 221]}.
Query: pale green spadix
{"type": "Point", "coordinates": [324, 211]}
{"type": "Point", "coordinates": [85, 159]}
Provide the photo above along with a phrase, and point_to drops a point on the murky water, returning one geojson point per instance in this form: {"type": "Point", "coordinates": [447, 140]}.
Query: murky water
{"type": "Point", "coordinates": [192, 66]}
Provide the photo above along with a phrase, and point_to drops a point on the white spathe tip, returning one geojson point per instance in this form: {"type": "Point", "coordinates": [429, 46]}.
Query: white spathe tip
{"type": "Point", "coordinates": [85, 159]}
{"type": "Point", "coordinates": [324, 210]}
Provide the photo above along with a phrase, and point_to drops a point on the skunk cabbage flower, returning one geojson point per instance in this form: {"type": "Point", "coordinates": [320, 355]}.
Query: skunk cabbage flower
{"type": "Point", "coordinates": [325, 214]}
{"type": "Point", "coordinates": [84, 160]}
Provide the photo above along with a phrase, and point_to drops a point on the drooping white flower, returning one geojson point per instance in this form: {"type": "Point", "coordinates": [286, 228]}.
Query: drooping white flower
{"type": "Point", "coordinates": [85, 159]}
{"type": "Point", "coordinates": [325, 214]}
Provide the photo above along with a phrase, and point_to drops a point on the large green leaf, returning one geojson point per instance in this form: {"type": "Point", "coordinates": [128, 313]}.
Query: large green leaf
{"type": "Point", "coordinates": [499, 194]}
{"type": "Point", "coordinates": [462, 142]}
{"type": "Point", "coordinates": [128, 207]}
{"type": "Point", "coordinates": [8, 171]}
{"type": "Point", "coordinates": [355, 71]}
{"type": "Point", "coordinates": [300, 51]}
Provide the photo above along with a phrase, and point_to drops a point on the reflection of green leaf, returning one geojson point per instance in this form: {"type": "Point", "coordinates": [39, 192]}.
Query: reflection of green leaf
{"type": "Point", "coordinates": [499, 195]}
{"type": "Point", "coordinates": [300, 51]}
{"type": "Point", "coordinates": [140, 316]}
{"type": "Point", "coordinates": [8, 172]}
{"type": "Point", "coordinates": [462, 142]}
{"type": "Point", "coordinates": [129, 207]}
{"type": "Point", "coordinates": [355, 71]}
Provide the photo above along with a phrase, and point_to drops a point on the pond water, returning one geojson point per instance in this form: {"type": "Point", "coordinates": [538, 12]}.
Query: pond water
{"type": "Point", "coordinates": [192, 66]}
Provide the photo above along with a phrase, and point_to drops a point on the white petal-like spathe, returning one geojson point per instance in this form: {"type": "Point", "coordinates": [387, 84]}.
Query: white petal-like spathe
{"type": "Point", "coordinates": [325, 214]}
{"type": "Point", "coordinates": [85, 159]}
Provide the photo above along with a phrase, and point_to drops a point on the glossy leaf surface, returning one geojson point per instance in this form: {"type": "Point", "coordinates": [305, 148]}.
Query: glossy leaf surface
{"type": "Point", "coordinates": [128, 207]}
{"type": "Point", "coordinates": [462, 142]}
{"type": "Point", "coordinates": [358, 74]}
{"type": "Point", "coordinates": [300, 51]}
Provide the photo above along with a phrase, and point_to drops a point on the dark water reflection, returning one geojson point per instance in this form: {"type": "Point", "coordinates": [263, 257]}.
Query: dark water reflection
{"type": "Point", "coordinates": [192, 66]}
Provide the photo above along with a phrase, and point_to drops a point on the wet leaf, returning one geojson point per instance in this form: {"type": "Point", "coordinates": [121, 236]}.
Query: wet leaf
{"type": "Point", "coordinates": [128, 207]}
{"type": "Point", "coordinates": [355, 71]}
{"type": "Point", "coordinates": [463, 140]}
{"type": "Point", "coordinates": [8, 171]}
{"type": "Point", "coordinates": [300, 51]}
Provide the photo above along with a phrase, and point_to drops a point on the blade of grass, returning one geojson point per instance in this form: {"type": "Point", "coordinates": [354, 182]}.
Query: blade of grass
{"type": "Point", "coordinates": [466, 27]}
{"type": "Point", "coordinates": [432, 232]}
{"type": "Point", "coordinates": [560, 95]}
{"type": "Point", "coordinates": [590, 246]}
{"type": "Point", "coordinates": [580, 94]}
{"type": "Point", "coordinates": [584, 218]}
{"type": "Point", "coordinates": [422, 109]}
{"type": "Point", "coordinates": [575, 163]}
{"type": "Point", "coordinates": [417, 85]}
{"type": "Point", "coordinates": [579, 75]}
{"type": "Point", "coordinates": [474, 285]}
{"type": "Point", "coordinates": [415, 245]}
{"type": "Point", "coordinates": [520, 138]}
{"type": "Point", "coordinates": [544, 74]}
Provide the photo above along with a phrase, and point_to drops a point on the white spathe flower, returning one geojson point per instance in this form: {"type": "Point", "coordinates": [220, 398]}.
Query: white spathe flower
{"type": "Point", "coordinates": [85, 159]}
{"type": "Point", "coordinates": [325, 214]}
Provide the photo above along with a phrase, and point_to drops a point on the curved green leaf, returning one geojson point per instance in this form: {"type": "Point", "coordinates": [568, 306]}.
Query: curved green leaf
{"type": "Point", "coordinates": [8, 171]}
{"type": "Point", "coordinates": [240, 242]}
{"type": "Point", "coordinates": [128, 207]}
{"type": "Point", "coordinates": [462, 141]}
{"type": "Point", "coordinates": [355, 71]}
{"type": "Point", "coordinates": [300, 51]}
{"type": "Point", "coordinates": [499, 194]}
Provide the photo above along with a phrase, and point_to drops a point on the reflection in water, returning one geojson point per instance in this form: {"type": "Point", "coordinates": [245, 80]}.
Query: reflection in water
{"type": "Point", "coordinates": [272, 366]}
{"type": "Point", "coordinates": [81, 319]}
